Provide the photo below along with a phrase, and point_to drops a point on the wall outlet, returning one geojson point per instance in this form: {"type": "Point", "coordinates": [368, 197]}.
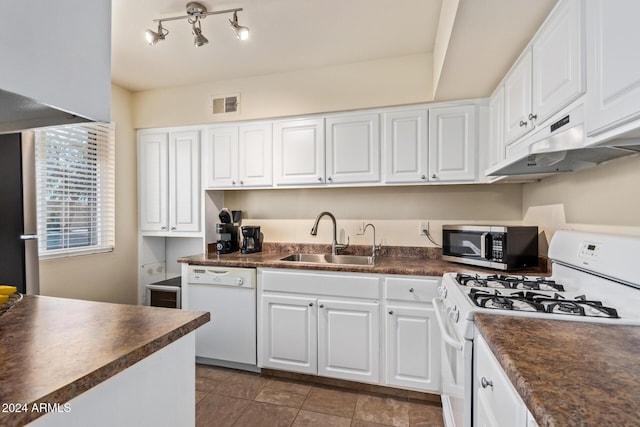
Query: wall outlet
{"type": "Point", "coordinates": [360, 228]}
{"type": "Point", "coordinates": [423, 225]}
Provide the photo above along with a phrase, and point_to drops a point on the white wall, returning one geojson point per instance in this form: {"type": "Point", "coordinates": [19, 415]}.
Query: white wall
{"type": "Point", "coordinates": [393, 81]}
{"type": "Point", "coordinates": [605, 199]}
{"type": "Point", "coordinates": [110, 277]}
{"type": "Point", "coordinates": [288, 215]}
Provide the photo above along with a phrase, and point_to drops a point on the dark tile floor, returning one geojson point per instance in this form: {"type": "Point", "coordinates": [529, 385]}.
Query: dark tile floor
{"type": "Point", "coordinates": [227, 397]}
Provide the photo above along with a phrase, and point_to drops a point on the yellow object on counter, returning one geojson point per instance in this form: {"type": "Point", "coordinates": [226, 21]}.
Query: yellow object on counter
{"type": "Point", "coordinates": [4, 298]}
{"type": "Point", "coordinates": [7, 290]}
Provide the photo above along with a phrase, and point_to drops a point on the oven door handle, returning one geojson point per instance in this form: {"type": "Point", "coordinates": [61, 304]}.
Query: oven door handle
{"type": "Point", "coordinates": [438, 303]}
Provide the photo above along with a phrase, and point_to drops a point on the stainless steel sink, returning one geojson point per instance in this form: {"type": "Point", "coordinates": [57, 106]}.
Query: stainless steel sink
{"type": "Point", "coordinates": [332, 259]}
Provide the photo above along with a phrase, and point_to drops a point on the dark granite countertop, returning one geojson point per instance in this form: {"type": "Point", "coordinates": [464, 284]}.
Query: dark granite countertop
{"type": "Point", "coordinates": [417, 261]}
{"type": "Point", "coordinates": [569, 373]}
{"type": "Point", "coordinates": [54, 349]}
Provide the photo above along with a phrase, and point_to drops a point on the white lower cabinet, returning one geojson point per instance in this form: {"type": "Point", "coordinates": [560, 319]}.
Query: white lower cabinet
{"type": "Point", "coordinates": [289, 333]}
{"type": "Point", "coordinates": [349, 340]}
{"type": "Point", "coordinates": [329, 324]}
{"type": "Point", "coordinates": [496, 403]}
{"type": "Point", "coordinates": [412, 338]}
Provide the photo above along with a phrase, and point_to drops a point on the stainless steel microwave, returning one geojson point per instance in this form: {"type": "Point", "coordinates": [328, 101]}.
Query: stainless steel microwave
{"type": "Point", "coordinates": [499, 247]}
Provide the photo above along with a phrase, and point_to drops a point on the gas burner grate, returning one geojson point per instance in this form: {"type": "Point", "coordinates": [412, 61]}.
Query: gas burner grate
{"type": "Point", "coordinates": [500, 281]}
{"type": "Point", "coordinates": [534, 301]}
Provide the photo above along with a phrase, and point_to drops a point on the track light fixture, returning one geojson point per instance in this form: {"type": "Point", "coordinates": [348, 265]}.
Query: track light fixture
{"type": "Point", "coordinates": [195, 13]}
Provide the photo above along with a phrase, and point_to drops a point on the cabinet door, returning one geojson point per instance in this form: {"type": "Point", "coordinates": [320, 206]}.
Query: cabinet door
{"type": "Point", "coordinates": [348, 340]}
{"type": "Point", "coordinates": [496, 402]}
{"type": "Point", "coordinates": [496, 127]}
{"type": "Point", "coordinates": [221, 157]}
{"type": "Point", "coordinates": [184, 181]}
{"type": "Point", "coordinates": [153, 181]}
{"type": "Point", "coordinates": [353, 148]}
{"type": "Point", "coordinates": [613, 64]}
{"type": "Point", "coordinates": [412, 348]}
{"type": "Point", "coordinates": [255, 155]}
{"type": "Point", "coordinates": [404, 142]}
{"type": "Point", "coordinates": [298, 152]}
{"type": "Point", "coordinates": [452, 143]}
{"type": "Point", "coordinates": [517, 99]}
{"type": "Point", "coordinates": [289, 335]}
{"type": "Point", "coordinates": [558, 60]}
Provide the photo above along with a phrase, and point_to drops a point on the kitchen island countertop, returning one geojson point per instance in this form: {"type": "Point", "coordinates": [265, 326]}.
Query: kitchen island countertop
{"type": "Point", "coordinates": [54, 349]}
{"type": "Point", "coordinates": [569, 373]}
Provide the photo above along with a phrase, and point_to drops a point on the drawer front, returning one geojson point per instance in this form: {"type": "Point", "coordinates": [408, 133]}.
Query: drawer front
{"type": "Point", "coordinates": [495, 393]}
{"type": "Point", "coordinates": [411, 289]}
{"type": "Point", "coordinates": [355, 285]}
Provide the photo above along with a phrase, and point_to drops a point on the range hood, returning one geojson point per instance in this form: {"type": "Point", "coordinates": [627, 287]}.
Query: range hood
{"type": "Point", "coordinates": [561, 147]}
{"type": "Point", "coordinates": [18, 112]}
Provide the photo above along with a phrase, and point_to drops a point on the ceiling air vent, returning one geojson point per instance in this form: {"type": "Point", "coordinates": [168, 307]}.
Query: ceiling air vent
{"type": "Point", "coordinates": [225, 104]}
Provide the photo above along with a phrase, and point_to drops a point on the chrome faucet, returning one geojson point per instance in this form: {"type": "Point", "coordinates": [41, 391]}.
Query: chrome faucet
{"type": "Point", "coordinates": [335, 246]}
{"type": "Point", "coordinates": [374, 248]}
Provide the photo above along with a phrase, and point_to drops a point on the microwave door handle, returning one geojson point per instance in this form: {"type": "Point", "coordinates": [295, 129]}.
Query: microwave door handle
{"type": "Point", "coordinates": [483, 246]}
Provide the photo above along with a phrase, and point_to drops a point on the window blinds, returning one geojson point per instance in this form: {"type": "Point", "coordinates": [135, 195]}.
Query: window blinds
{"type": "Point", "coordinates": [75, 189]}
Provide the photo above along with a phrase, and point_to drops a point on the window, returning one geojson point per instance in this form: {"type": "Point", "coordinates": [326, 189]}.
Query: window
{"type": "Point", "coordinates": [75, 189]}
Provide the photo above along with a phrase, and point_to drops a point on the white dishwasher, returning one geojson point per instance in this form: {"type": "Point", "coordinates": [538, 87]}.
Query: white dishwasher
{"type": "Point", "coordinates": [229, 294]}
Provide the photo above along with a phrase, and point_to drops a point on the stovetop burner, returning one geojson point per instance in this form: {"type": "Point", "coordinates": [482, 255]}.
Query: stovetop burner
{"type": "Point", "coordinates": [543, 303]}
{"type": "Point", "coordinates": [509, 282]}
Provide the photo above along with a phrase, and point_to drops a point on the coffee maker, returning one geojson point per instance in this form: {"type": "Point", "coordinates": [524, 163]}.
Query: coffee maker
{"type": "Point", "coordinates": [228, 231]}
{"type": "Point", "coordinates": [251, 239]}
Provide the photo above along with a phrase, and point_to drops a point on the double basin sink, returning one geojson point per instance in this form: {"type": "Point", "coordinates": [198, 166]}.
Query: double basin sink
{"type": "Point", "coordinates": [333, 259]}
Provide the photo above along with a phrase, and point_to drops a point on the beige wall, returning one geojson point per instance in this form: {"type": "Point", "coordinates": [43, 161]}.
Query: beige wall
{"type": "Point", "coordinates": [110, 277]}
{"type": "Point", "coordinates": [601, 199]}
{"type": "Point", "coordinates": [394, 81]}
{"type": "Point", "coordinates": [396, 212]}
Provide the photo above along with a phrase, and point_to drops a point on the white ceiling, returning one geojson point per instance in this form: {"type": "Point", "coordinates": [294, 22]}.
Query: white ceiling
{"type": "Point", "coordinates": [291, 35]}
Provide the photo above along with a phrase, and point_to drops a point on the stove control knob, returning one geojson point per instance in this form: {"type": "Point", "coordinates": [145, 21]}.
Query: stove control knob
{"type": "Point", "coordinates": [454, 314]}
{"type": "Point", "coordinates": [442, 291]}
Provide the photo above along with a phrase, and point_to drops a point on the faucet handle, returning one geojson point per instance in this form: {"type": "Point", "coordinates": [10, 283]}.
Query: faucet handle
{"type": "Point", "coordinates": [341, 247]}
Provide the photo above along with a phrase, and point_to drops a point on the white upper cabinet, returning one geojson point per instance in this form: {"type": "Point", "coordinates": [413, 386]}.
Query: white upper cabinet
{"type": "Point", "coordinates": [353, 148]}
{"type": "Point", "coordinates": [256, 156]}
{"type": "Point", "coordinates": [405, 145]}
{"type": "Point", "coordinates": [221, 157]}
{"type": "Point", "coordinates": [558, 60]}
{"type": "Point", "coordinates": [238, 156]}
{"type": "Point", "coordinates": [298, 152]}
{"type": "Point", "coordinates": [496, 127]}
{"type": "Point", "coordinates": [452, 143]}
{"type": "Point", "coordinates": [517, 99]}
{"type": "Point", "coordinates": [184, 181]}
{"type": "Point", "coordinates": [153, 180]}
{"type": "Point", "coordinates": [549, 74]}
{"type": "Point", "coordinates": [169, 182]}
{"type": "Point", "coordinates": [613, 64]}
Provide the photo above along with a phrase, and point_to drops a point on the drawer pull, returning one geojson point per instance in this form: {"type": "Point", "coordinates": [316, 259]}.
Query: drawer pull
{"type": "Point", "coordinates": [486, 383]}
{"type": "Point", "coordinates": [411, 290]}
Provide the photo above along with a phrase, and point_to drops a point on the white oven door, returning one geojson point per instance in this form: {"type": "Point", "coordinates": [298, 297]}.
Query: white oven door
{"type": "Point", "coordinates": [456, 370]}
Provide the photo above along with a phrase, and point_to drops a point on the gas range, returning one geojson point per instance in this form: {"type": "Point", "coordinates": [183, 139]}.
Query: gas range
{"type": "Point", "coordinates": [594, 279]}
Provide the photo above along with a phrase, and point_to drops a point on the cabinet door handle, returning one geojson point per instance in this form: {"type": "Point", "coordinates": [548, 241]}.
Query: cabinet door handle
{"type": "Point", "coordinates": [533, 116]}
{"type": "Point", "coordinates": [329, 179]}
{"type": "Point", "coordinates": [163, 228]}
{"type": "Point", "coordinates": [390, 311]}
{"type": "Point", "coordinates": [423, 177]}
{"type": "Point", "coordinates": [321, 306]}
{"type": "Point", "coordinates": [434, 176]}
{"type": "Point", "coordinates": [310, 304]}
{"type": "Point", "coordinates": [173, 228]}
{"type": "Point", "coordinates": [241, 182]}
{"type": "Point", "coordinates": [523, 124]}
{"type": "Point", "coordinates": [233, 183]}
{"type": "Point", "coordinates": [486, 383]}
{"type": "Point", "coordinates": [320, 178]}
